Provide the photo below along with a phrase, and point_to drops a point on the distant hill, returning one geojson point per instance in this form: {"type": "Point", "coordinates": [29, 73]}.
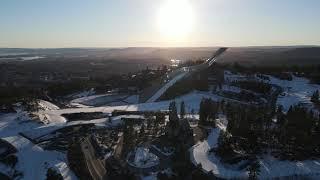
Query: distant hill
{"type": "Point", "coordinates": [305, 52]}
{"type": "Point", "coordinates": [264, 55]}
{"type": "Point", "coordinates": [273, 56]}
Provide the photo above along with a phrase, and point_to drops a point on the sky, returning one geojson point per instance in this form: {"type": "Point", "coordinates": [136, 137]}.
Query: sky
{"type": "Point", "coordinates": [150, 23]}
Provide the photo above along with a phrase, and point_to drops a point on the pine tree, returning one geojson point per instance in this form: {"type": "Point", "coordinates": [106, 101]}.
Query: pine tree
{"type": "Point", "coordinates": [52, 174]}
{"type": "Point", "coordinates": [173, 115]}
{"type": "Point", "coordinates": [202, 117]}
{"type": "Point", "coordinates": [160, 118]}
{"type": "Point", "coordinates": [109, 119]}
{"type": "Point", "coordinates": [173, 118]}
{"type": "Point", "coordinates": [128, 135]}
{"type": "Point", "coordinates": [254, 170]}
{"type": "Point", "coordinates": [142, 131]}
{"type": "Point", "coordinates": [224, 145]}
{"type": "Point", "coordinates": [182, 110]}
{"type": "Point", "coordinates": [315, 97]}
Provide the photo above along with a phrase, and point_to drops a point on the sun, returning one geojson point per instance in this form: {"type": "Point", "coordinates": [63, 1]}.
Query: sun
{"type": "Point", "coordinates": [175, 19]}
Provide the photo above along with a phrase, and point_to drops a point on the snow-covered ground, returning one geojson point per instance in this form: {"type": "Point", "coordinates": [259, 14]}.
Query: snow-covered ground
{"type": "Point", "coordinates": [13, 123]}
{"type": "Point", "coordinates": [98, 99]}
{"type": "Point", "coordinates": [82, 94]}
{"type": "Point", "coordinates": [299, 90]}
{"type": "Point", "coordinates": [165, 151]}
{"type": "Point", "coordinates": [143, 158]}
{"type": "Point", "coordinates": [33, 161]}
{"type": "Point", "coordinates": [46, 119]}
{"type": "Point", "coordinates": [47, 129]}
{"type": "Point", "coordinates": [7, 170]}
{"type": "Point", "coordinates": [230, 77]}
{"type": "Point", "coordinates": [229, 88]}
{"type": "Point", "coordinates": [150, 177]}
{"type": "Point", "coordinates": [105, 99]}
{"type": "Point", "coordinates": [192, 101]}
{"type": "Point", "coordinates": [57, 121]}
{"type": "Point", "coordinates": [46, 105]}
{"type": "Point", "coordinates": [270, 166]}
{"type": "Point", "coordinates": [199, 154]}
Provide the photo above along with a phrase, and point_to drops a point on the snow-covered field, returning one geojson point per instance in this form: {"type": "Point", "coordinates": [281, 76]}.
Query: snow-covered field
{"type": "Point", "coordinates": [33, 161]}
{"type": "Point", "coordinates": [105, 99]}
{"type": "Point", "coordinates": [299, 90]}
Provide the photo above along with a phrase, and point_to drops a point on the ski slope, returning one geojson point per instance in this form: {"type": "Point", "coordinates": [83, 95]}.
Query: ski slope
{"type": "Point", "coordinates": [164, 88]}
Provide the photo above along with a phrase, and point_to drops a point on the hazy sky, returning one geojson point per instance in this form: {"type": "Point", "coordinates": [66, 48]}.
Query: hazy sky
{"type": "Point", "coordinates": [123, 23]}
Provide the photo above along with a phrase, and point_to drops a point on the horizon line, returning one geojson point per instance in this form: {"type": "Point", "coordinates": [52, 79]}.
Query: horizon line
{"type": "Point", "coordinates": [126, 47]}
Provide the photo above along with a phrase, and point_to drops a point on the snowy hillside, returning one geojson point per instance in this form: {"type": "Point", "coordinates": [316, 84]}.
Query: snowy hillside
{"type": "Point", "coordinates": [298, 90]}
{"type": "Point", "coordinates": [33, 161]}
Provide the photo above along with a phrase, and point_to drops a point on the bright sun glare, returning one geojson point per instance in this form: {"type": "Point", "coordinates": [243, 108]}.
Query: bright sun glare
{"type": "Point", "coordinates": [175, 19]}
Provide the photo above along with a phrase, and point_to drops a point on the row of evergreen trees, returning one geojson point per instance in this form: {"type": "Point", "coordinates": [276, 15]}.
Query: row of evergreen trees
{"type": "Point", "coordinates": [315, 97]}
{"type": "Point", "coordinates": [208, 112]}
{"type": "Point", "coordinates": [298, 133]}
{"type": "Point", "coordinates": [253, 130]}
{"type": "Point", "coordinates": [247, 127]}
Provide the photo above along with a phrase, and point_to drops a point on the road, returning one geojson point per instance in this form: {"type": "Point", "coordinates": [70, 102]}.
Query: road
{"type": "Point", "coordinates": [95, 166]}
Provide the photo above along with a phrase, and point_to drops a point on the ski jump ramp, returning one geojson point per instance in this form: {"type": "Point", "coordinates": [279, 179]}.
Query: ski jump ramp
{"type": "Point", "coordinates": [180, 73]}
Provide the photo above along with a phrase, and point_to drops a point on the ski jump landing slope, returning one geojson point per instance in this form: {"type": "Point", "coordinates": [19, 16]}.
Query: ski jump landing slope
{"type": "Point", "coordinates": [184, 71]}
